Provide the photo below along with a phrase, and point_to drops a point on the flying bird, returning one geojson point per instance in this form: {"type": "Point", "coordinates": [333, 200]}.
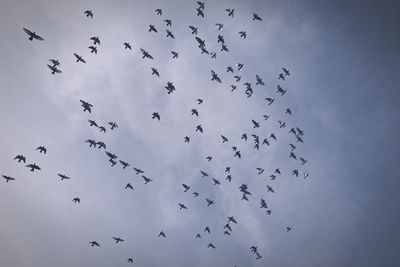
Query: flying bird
{"type": "Point", "coordinates": [230, 11]}
{"type": "Point", "coordinates": [145, 53]}
{"type": "Point", "coordinates": [96, 40]}
{"type": "Point", "coordinates": [77, 200]}
{"type": "Point", "coordinates": [259, 81]}
{"type": "Point", "coordinates": [8, 178]}
{"type": "Point", "coordinates": [174, 54]}
{"type": "Point", "coordinates": [20, 158]}
{"type": "Point", "coordinates": [63, 176]}
{"type": "Point", "coordinates": [194, 30]}
{"type": "Point", "coordinates": [186, 187]}
{"type": "Point", "coordinates": [242, 34]}
{"type": "Point", "coordinates": [155, 115]}
{"type": "Point", "coordinates": [113, 125]}
{"type": "Point", "coordinates": [33, 35]}
{"type": "Point", "coordinates": [53, 69]}
{"type": "Point", "coordinates": [94, 243]}
{"type": "Point", "coordinates": [79, 58]}
{"type": "Point", "coordinates": [158, 11]}
{"type": "Point", "coordinates": [124, 164]}
{"type": "Point", "coordinates": [199, 128]}
{"type": "Point", "coordinates": [118, 239]}
{"type": "Point", "coordinates": [138, 171]}
{"type": "Point", "coordinates": [155, 72]}
{"type": "Point", "coordinates": [127, 46]}
{"type": "Point", "coordinates": [215, 77]}
{"type": "Point", "coordinates": [169, 22]}
{"type": "Point", "coordinates": [128, 185]}
{"type": "Point", "coordinates": [42, 149]}
{"type": "Point", "coordinates": [93, 49]}
{"type": "Point", "coordinates": [162, 234]}
{"type": "Point", "coordinates": [88, 13]}
{"type": "Point", "coordinates": [219, 25]}
{"type": "Point", "coordinates": [256, 17]}
{"type": "Point", "coordinates": [169, 34]}
{"type": "Point", "coordinates": [182, 206]}
{"type": "Point", "coordinates": [152, 28]}
{"type": "Point", "coordinates": [146, 179]}
{"type": "Point", "coordinates": [86, 106]}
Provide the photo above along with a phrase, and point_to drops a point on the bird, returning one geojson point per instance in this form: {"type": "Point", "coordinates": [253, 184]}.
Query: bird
{"type": "Point", "coordinates": [195, 112]}
{"type": "Point", "coordinates": [207, 229]}
{"type": "Point", "coordinates": [303, 161]}
{"type": "Point", "coordinates": [288, 111]}
{"type": "Point", "coordinates": [230, 11]}
{"type": "Point", "coordinates": [86, 106]}
{"type": "Point", "coordinates": [158, 11]}
{"type": "Point", "coordinates": [53, 69]}
{"type": "Point", "coordinates": [182, 206]}
{"type": "Point", "coordinates": [227, 233]}
{"type": "Point", "coordinates": [91, 143]}
{"type": "Point", "coordinates": [32, 35]}
{"type": "Point", "coordinates": [237, 154]}
{"type": "Point", "coordinates": [102, 129]}
{"type": "Point", "coordinates": [155, 72]}
{"type": "Point", "coordinates": [93, 49]}
{"type": "Point", "coordinates": [79, 58]}
{"type": "Point", "coordinates": [92, 123]}
{"type": "Point", "coordinates": [20, 158]}
{"type": "Point", "coordinates": [152, 28]}
{"type": "Point", "coordinates": [209, 202]}
{"type": "Point", "coordinates": [42, 149]}
{"type": "Point", "coordinates": [256, 17]}
{"type": "Point", "coordinates": [155, 115]}
{"type": "Point", "coordinates": [118, 239]}
{"type": "Point", "coordinates": [186, 187]}
{"type": "Point", "coordinates": [128, 185]}
{"type": "Point", "coordinates": [161, 234]}
{"type": "Point", "coordinates": [231, 219]}
{"type": "Point", "coordinates": [174, 54]}
{"type": "Point", "coordinates": [146, 179]}
{"type": "Point", "coordinates": [211, 246]}
{"type": "Point", "coordinates": [96, 40]}
{"type": "Point", "coordinates": [124, 164]}
{"type": "Point", "coordinates": [199, 128]}
{"type": "Point", "coordinates": [169, 22]}
{"type": "Point", "coordinates": [216, 181]}
{"type": "Point", "coordinates": [203, 173]}
{"type": "Point", "coordinates": [270, 189]}
{"type": "Point", "coordinates": [198, 236]}
{"type": "Point", "coordinates": [113, 125]}
{"type": "Point", "coordinates": [127, 46]}
{"type": "Point", "coordinates": [228, 226]}
{"type": "Point", "coordinates": [224, 139]}
{"type": "Point", "coordinates": [100, 144]}
{"type": "Point", "coordinates": [194, 30]}
{"type": "Point", "coordinates": [187, 139]}
{"type": "Point", "coordinates": [63, 176]}
{"type": "Point", "coordinates": [8, 178]}
{"type": "Point", "coordinates": [209, 158]}
{"type": "Point", "coordinates": [242, 34]}
{"type": "Point", "coordinates": [94, 243]}
{"type": "Point", "coordinates": [33, 167]}
{"type": "Point", "coordinates": [288, 228]}
{"type": "Point", "coordinates": [88, 13]}
{"type": "Point", "coordinates": [260, 170]}
{"type": "Point", "coordinates": [170, 34]}
{"type": "Point", "coordinates": [200, 12]}
{"type": "Point", "coordinates": [76, 200]}
{"type": "Point", "coordinates": [259, 81]}
{"type": "Point", "coordinates": [286, 71]}
{"type": "Point", "coordinates": [219, 25]}
{"type": "Point", "coordinates": [199, 101]}
{"type": "Point", "coordinates": [130, 260]}
{"type": "Point", "coordinates": [195, 194]}
{"type": "Point", "coordinates": [138, 171]}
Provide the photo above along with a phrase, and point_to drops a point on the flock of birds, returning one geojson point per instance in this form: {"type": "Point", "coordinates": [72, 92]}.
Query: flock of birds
{"type": "Point", "coordinates": [113, 159]}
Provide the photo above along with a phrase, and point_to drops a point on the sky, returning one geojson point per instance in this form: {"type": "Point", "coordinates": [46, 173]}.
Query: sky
{"type": "Point", "coordinates": [342, 90]}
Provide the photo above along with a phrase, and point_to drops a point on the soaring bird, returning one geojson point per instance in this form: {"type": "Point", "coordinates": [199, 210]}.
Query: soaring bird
{"type": "Point", "coordinates": [211, 246]}
{"type": "Point", "coordinates": [94, 243]}
{"type": "Point", "coordinates": [63, 176]}
{"type": "Point", "coordinates": [42, 149]}
{"type": "Point", "coordinates": [256, 17]}
{"type": "Point", "coordinates": [8, 178]}
{"type": "Point", "coordinates": [128, 185]}
{"type": "Point", "coordinates": [96, 40]}
{"type": "Point", "coordinates": [20, 158]}
{"type": "Point", "coordinates": [86, 106]}
{"type": "Point", "coordinates": [155, 72]}
{"type": "Point", "coordinates": [186, 187]}
{"type": "Point", "coordinates": [32, 35]}
{"type": "Point", "coordinates": [127, 46]}
{"type": "Point", "coordinates": [182, 206]}
{"type": "Point", "coordinates": [209, 202]}
{"type": "Point", "coordinates": [155, 115]}
{"type": "Point", "coordinates": [33, 167]}
{"type": "Point", "coordinates": [79, 58]}
{"type": "Point", "coordinates": [93, 49]}
{"type": "Point", "coordinates": [162, 234]}
{"type": "Point", "coordinates": [118, 239]}
{"type": "Point", "coordinates": [88, 13]}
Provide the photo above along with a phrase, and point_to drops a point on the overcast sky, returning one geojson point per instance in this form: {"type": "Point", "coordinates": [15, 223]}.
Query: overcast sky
{"type": "Point", "coordinates": [343, 92]}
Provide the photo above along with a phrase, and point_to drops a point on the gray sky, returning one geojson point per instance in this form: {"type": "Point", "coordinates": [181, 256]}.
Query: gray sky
{"type": "Point", "coordinates": [343, 91]}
